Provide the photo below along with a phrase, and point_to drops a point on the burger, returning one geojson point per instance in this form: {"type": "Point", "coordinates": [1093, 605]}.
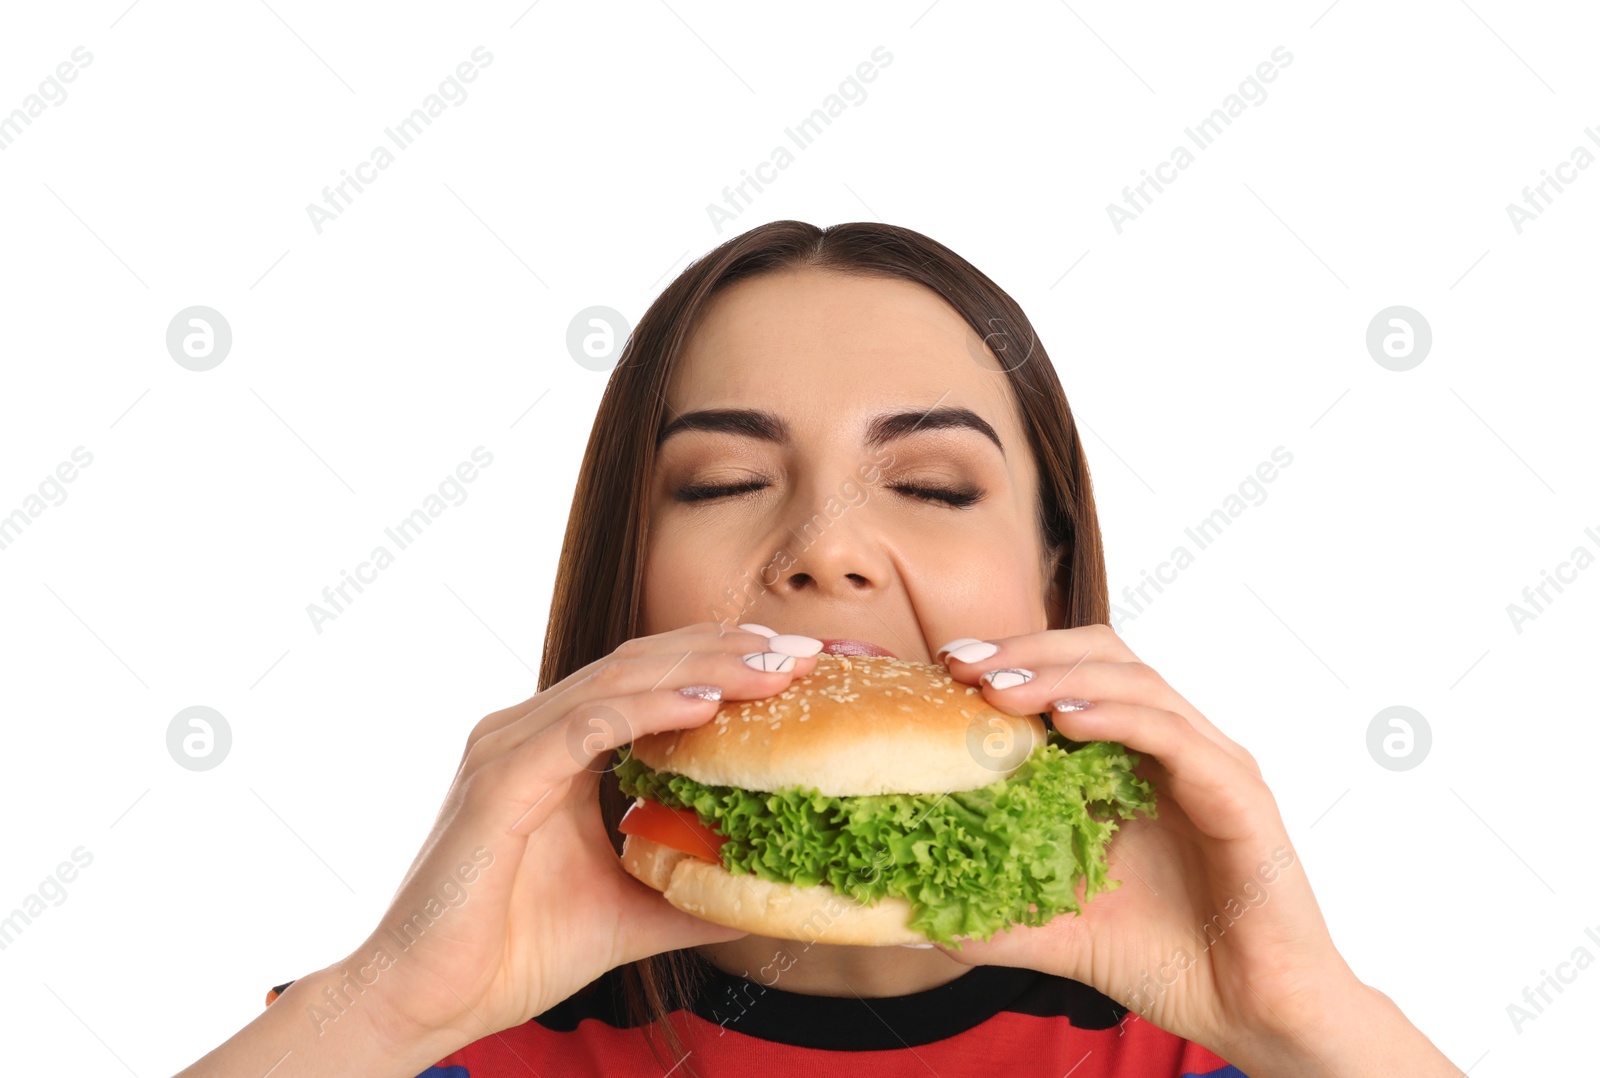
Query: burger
{"type": "Point", "coordinates": [875, 801]}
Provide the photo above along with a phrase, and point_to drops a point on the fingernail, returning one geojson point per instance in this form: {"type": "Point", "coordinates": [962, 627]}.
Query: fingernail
{"type": "Point", "coordinates": [1008, 678]}
{"type": "Point", "coordinates": [752, 627]}
{"type": "Point", "coordinates": [975, 652]}
{"type": "Point", "coordinates": [702, 692]}
{"type": "Point", "coordinates": [1071, 704]}
{"type": "Point", "coordinates": [793, 644]}
{"type": "Point", "coordinates": [770, 661]}
{"type": "Point", "coordinates": [956, 643]}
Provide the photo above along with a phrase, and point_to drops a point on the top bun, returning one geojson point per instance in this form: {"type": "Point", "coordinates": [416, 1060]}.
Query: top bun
{"type": "Point", "coordinates": [857, 725]}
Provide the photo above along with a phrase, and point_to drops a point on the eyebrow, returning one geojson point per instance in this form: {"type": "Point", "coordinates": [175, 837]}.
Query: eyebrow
{"type": "Point", "coordinates": [884, 428]}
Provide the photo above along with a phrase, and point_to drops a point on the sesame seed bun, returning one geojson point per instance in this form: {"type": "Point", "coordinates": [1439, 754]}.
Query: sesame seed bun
{"type": "Point", "coordinates": [856, 725]}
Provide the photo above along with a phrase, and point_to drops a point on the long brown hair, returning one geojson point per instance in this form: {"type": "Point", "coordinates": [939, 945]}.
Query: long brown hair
{"type": "Point", "coordinates": [599, 581]}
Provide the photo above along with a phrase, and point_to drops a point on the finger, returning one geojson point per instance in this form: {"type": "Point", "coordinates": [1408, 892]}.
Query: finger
{"type": "Point", "coordinates": [1098, 642]}
{"type": "Point", "coordinates": [655, 926]}
{"type": "Point", "coordinates": [523, 784]}
{"type": "Point", "coordinates": [1020, 690]}
{"type": "Point", "coordinates": [701, 636]}
{"type": "Point", "coordinates": [734, 675]}
{"type": "Point", "coordinates": [1015, 683]}
{"type": "Point", "coordinates": [1219, 794]}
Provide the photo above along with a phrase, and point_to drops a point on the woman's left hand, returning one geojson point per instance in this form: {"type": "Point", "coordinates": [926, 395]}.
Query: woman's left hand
{"type": "Point", "coordinates": [1214, 933]}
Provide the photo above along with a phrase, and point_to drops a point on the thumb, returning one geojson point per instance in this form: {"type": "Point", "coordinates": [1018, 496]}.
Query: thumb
{"type": "Point", "coordinates": [653, 926]}
{"type": "Point", "coordinates": [1018, 945]}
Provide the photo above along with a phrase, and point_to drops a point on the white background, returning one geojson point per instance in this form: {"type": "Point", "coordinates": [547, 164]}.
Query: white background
{"type": "Point", "coordinates": [370, 359]}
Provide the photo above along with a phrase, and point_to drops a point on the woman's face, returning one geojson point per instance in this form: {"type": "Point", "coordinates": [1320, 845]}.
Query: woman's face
{"type": "Point", "coordinates": [843, 459]}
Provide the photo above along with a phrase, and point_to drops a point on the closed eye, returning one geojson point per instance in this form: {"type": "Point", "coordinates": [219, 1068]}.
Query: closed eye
{"type": "Point", "coordinates": [705, 494]}
{"type": "Point", "coordinates": [956, 499]}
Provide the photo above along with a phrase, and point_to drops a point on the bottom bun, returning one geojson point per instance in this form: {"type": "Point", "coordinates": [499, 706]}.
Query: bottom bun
{"type": "Point", "coordinates": [814, 914]}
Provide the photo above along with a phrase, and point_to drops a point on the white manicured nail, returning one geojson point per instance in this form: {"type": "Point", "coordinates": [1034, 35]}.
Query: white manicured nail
{"type": "Point", "coordinates": [1008, 678]}
{"type": "Point", "coordinates": [793, 644]}
{"type": "Point", "coordinates": [958, 642]}
{"type": "Point", "coordinates": [752, 627]}
{"type": "Point", "coordinates": [975, 652]}
{"type": "Point", "coordinates": [770, 661]}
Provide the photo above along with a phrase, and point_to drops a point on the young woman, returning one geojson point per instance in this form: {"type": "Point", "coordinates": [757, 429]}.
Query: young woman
{"type": "Point", "coordinates": [811, 435]}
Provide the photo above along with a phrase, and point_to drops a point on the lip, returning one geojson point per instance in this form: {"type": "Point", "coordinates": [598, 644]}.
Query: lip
{"type": "Point", "coordinates": [848, 646]}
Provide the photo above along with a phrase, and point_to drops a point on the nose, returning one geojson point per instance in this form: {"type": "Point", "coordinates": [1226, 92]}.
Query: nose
{"type": "Point", "coordinates": [835, 557]}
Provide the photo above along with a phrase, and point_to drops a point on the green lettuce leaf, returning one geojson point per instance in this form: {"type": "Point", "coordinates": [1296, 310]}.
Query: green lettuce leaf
{"type": "Point", "coordinates": [970, 863]}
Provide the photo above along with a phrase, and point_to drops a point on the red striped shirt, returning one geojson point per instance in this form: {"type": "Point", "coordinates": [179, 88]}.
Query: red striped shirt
{"type": "Point", "coordinates": [992, 1020]}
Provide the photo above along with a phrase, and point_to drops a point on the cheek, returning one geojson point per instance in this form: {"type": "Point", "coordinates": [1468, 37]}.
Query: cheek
{"type": "Point", "coordinates": [669, 589]}
{"type": "Point", "coordinates": [969, 584]}
{"type": "Point", "coordinates": [692, 577]}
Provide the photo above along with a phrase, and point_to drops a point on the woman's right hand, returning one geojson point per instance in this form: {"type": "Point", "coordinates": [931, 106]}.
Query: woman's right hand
{"type": "Point", "coordinates": [548, 907]}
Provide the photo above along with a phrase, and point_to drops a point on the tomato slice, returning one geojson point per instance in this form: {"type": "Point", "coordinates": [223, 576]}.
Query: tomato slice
{"type": "Point", "coordinates": [680, 829]}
